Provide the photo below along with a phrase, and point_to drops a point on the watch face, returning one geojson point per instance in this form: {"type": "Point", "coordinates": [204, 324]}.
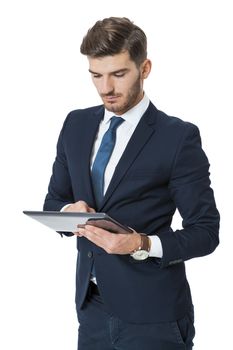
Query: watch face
{"type": "Point", "coordinates": [140, 255]}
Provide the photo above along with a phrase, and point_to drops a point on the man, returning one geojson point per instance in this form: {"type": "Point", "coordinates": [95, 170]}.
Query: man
{"type": "Point", "coordinates": [132, 291]}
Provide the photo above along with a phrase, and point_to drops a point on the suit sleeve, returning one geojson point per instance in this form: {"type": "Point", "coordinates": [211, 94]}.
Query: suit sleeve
{"type": "Point", "coordinates": [191, 192]}
{"type": "Point", "coordinates": [60, 189]}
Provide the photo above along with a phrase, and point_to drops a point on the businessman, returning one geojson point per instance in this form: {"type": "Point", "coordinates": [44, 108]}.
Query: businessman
{"type": "Point", "coordinates": [137, 164]}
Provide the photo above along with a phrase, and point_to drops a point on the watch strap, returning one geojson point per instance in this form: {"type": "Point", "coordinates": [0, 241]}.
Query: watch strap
{"type": "Point", "coordinates": [145, 243]}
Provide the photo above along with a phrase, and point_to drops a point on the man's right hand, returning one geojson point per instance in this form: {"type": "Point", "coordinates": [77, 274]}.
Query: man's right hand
{"type": "Point", "coordinates": [80, 206]}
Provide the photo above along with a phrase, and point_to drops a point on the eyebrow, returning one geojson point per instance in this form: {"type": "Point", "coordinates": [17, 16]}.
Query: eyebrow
{"type": "Point", "coordinates": [123, 70]}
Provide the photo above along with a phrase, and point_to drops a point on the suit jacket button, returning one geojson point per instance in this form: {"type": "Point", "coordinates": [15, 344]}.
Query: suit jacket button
{"type": "Point", "coordinates": [90, 254]}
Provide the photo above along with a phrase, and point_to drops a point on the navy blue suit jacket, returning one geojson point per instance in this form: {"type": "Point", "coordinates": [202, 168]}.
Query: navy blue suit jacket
{"type": "Point", "coordinates": [162, 168]}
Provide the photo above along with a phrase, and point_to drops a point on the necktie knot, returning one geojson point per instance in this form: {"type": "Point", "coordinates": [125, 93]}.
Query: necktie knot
{"type": "Point", "coordinates": [115, 122]}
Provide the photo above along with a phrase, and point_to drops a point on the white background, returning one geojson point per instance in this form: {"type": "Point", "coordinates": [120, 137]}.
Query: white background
{"type": "Point", "coordinates": [43, 76]}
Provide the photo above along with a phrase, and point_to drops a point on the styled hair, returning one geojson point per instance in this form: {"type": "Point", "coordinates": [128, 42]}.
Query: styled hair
{"type": "Point", "coordinates": [114, 35]}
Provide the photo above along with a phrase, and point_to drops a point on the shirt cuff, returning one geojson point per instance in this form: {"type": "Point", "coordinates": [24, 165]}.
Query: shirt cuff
{"type": "Point", "coordinates": [156, 249]}
{"type": "Point", "coordinates": [65, 206]}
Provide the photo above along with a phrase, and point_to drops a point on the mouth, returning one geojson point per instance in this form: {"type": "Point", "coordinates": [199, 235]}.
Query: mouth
{"type": "Point", "coordinates": [111, 98]}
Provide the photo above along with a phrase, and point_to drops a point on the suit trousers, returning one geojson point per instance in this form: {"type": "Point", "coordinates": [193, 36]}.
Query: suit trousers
{"type": "Point", "coordinates": [100, 330]}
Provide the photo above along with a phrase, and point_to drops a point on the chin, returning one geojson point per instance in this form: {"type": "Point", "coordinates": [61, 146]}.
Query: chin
{"type": "Point", "coordinates": [113, 107]}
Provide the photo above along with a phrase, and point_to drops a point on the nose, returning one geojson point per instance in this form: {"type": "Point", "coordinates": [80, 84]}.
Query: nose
{"type": "Point", "coordinates": [106, 86]}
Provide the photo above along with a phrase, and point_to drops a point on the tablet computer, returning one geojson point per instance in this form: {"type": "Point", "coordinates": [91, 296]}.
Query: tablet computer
{"type": "Point", "coordinates": [71, 221]}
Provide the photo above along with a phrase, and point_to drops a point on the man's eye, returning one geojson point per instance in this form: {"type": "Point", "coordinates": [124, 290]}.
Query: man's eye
{"type": "Point", "coordinates": [119, 75]}
{"type": "Point", "coordinates": [96, 75]}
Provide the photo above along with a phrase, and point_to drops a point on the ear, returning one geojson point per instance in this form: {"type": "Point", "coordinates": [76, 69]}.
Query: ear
{"type": "Point", "coordinates": [145, 68]}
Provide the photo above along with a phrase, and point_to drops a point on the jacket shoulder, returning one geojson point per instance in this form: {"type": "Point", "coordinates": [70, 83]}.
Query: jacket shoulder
{"type": "Point", "coordinates": [80, 114]}
{"type": "Point", "coordinates": [169, 129]}
{"type": "Point", "coordinates": [171, 122]}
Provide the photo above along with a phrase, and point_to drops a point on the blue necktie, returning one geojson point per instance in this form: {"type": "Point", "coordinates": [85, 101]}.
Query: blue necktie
{"type": "Point", "coordinates": [102, 157]}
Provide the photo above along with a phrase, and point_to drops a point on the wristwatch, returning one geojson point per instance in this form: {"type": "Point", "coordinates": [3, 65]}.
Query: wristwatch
{"type": "Point", "coordinates": [142, 252]}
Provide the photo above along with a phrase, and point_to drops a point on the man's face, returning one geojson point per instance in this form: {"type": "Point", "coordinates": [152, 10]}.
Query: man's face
{"type": "Point", "coordinates": [118, 81]}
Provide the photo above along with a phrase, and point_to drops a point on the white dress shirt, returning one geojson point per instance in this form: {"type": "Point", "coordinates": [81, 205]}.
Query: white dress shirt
{"type": "Point", "coordinates": [123, 135]}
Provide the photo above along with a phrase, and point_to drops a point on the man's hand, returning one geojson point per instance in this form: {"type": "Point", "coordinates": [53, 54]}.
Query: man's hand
{"type": "Point", "coordinates": [112, 243]}
{"type": "Point", "coordinates": [80, 206]}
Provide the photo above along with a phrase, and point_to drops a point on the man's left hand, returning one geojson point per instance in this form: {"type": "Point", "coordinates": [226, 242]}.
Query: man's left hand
{"type": "Point", "coordinates": [112, 243]}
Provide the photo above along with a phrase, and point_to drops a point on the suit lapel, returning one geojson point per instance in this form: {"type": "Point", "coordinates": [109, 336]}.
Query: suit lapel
{"type": "Point", "coordinates": [140, 137]}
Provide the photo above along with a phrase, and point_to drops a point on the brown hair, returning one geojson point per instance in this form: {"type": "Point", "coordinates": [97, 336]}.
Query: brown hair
{"type": "Point", "coordinates": [114, 35]}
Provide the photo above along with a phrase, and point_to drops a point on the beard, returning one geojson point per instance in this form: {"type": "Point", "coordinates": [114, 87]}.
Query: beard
{"type": "Point", "coordinates": [131, 99]}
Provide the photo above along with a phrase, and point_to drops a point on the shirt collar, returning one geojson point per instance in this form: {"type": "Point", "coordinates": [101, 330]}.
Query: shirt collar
{"type": "Point", "coordinates": [133, 115]}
